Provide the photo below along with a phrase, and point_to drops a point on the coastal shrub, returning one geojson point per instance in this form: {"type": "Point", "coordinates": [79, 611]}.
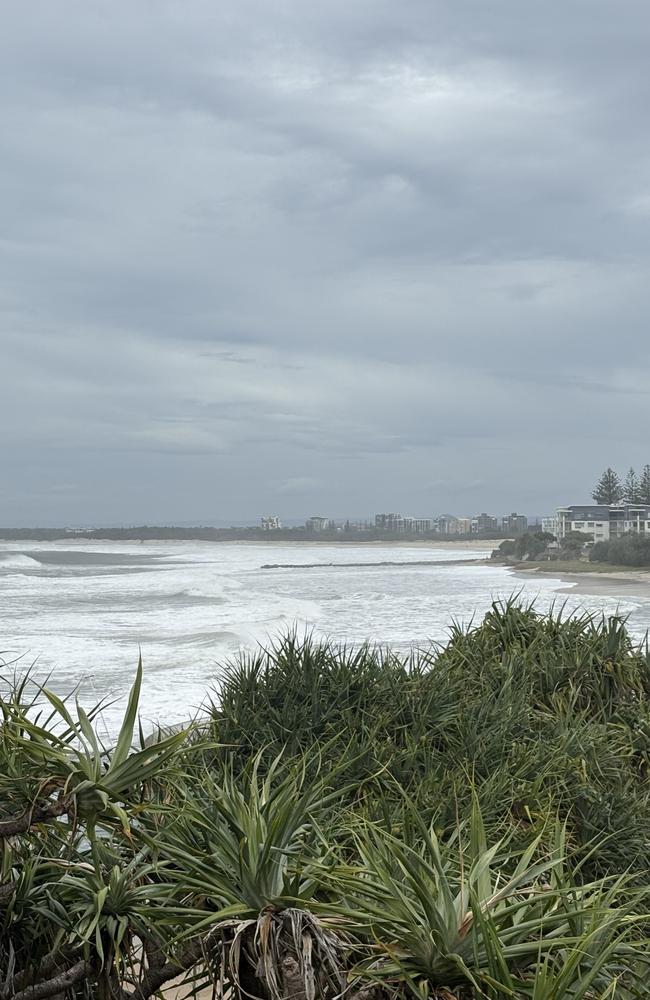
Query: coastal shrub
{"type": "Point", "coordinates": [630, 550]}
{"type": "Point", "coordinates": [465, 821]}
{"type": "Point", "coordinates": [541, 713]}
{"type": "Point", "coordinates": [527, 546]}
{"type": "Point", "coordinates": [248, 883]}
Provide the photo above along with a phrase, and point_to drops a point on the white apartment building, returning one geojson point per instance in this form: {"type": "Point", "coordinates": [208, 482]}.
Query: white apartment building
{"type": "Point", "coordinates": [400, 525]}
{"type": "Point", "coordinates": [446, 524]}
{"type": "Point", "coordinates": [601, 521]}
{"type": "Point", "coordinates": [549, 524]}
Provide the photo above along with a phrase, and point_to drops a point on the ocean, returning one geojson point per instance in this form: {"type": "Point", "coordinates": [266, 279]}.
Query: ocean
{"type": "Point", "coordinates": [80, 614]}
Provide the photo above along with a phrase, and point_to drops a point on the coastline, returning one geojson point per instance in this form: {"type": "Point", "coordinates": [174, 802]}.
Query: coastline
{"type": "Point", "coordinates": [378, 543]}
{"type": "Point", "coordinates": [622, 583]}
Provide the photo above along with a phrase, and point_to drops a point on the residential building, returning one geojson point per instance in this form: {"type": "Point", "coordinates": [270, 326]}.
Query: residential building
{"type": "Point", "coordinates": [399, 525]}
{"type": "Point", "coordinates": [317, 523]}
{"type": "Point", "coordinates": [549, 525]}
{"type": "Point", "coordinates": [464, 525]}
{"type": "Point", "coordinates": [484, 524]}
{"type": "Point", "coordinates": [386, 522]}
{"type": "Point", "coordinates": [514, 524]}
{"type": "Point", "coordinates": [271, 523]}
{"type": "Point", "coordinates": [446, 524]}
{"type": "Point", "coordinates": [602, 521]}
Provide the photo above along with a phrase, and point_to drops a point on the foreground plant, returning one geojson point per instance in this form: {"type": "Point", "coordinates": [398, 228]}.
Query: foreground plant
{"type": "Point", "coordinates": [346, 824]}
{"type": "Point", "coordinates": [72, 880]}
{"type": "Point", "coordinates": [460, 914]}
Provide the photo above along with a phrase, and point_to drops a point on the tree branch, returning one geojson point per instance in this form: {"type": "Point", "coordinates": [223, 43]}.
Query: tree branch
{"type": "Point", "coordinates": [156, 977]}
{"type": "Point", "coordinates": [154, 953]}
{"type": "Point", "coordinates": [49, 965]}
{"type": "Point", "coordinates": [37, 814]}
{"type": "Point", "coordinates": [60, 983]}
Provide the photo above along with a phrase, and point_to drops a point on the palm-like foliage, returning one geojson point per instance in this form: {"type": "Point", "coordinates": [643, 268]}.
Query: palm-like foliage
{"type": "Point", "coordinates": [80, 770]}
{"type": "Point", "coordinates": [343, 822]}
{"type": "Point", "coordinates": [458, 913]}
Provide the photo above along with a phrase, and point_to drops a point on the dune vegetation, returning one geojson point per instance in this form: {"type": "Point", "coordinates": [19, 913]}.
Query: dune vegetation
{"type": "Point", "coordinates": [467, 821]}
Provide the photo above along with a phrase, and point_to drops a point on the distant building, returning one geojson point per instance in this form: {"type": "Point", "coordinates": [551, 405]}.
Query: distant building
{"type": "Point", "coordinates": [397, 524]}
{"type": "Point", "coordinates": [601, 521]}
{"type": "Point", "coordinates": [464, 525]}
{"type": "Point", "coordinates": [318, 523]}
{"type": "Point", "coordinates": [549, 525]}
{"type": "Point", "coordinates": [271, 523]}
{"type": "Point", "coordinates": [484, 524]}
{"type": "Point", "coordinates": [514, 524]}
{"type": "Point", "coordinates": [385, 522]}
{"type": "Point", "coordinates": [447, 524]}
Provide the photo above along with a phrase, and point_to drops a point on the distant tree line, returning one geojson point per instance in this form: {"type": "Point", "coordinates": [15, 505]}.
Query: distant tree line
{"type": "Point", "coordinates": [142, 533]}
{"type": "Point", "coordinates": [611, 489]}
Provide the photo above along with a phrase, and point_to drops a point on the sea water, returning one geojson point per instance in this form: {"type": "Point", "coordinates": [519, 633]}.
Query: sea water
{"type": "Point", "coordinates": [81, 613]}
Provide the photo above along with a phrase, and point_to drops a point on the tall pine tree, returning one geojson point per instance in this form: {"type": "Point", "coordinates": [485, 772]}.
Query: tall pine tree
{"type": "Point", "coordinates": [644, 485]}
{"type": "Point", "coordinates": [631, 487]}
{"type": "Point", "coordinates": [608, 489]}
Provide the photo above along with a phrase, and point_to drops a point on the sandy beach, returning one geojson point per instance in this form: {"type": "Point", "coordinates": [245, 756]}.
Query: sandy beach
{"type": "Point", "coordinates": [623, 583]}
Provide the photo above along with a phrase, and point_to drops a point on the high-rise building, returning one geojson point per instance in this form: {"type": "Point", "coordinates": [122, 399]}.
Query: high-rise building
{"type": "Point", "coordinates": [514, 524]}
{"type": "Point", "coordinates": [398, 525]}
{"type": "Point", "coordinates": [484, 524]}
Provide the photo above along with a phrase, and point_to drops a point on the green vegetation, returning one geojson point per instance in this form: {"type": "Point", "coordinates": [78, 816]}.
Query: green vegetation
{"type": "Point", "coordinates": [526, 546]}
{"type": "Point", "coordinates": [469, 821]}
{"type": "Point", "coordinates": [609, 488]}
{"type": "Point", "coordinates": [628, 550]}
{"type": "Point", "coordinates": [634, 489]}
{"type": "Point", "coordinates": [530, 546]}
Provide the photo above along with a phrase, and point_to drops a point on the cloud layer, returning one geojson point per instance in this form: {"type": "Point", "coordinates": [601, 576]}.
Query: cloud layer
{"type": "Point", "coordinates": [326, 257]}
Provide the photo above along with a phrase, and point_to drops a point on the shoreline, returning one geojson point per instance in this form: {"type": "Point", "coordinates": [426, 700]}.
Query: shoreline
{"type": "Point", "coordinates": [632, 582]}
{"type": "Point", "coordinates": [425, 543]}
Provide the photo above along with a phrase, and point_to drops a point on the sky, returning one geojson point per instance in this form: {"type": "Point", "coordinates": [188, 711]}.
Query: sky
{"type": "Point", "coordinates": [320, 256]}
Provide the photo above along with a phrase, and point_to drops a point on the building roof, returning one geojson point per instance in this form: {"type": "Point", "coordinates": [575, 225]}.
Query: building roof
{"type": "Point", "coordinates": [602, 512]}
{"type": "Point", "coordinates": [589, 512]}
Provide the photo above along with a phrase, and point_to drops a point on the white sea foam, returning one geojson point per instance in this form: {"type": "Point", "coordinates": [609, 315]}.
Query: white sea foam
{"type": "Point", "coordinates": [9, 560]}
{"type": "Point", "coordinates": [85, 611]}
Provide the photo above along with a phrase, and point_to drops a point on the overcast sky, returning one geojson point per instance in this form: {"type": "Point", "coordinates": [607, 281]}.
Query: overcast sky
{"type": "Point", "coordinates": [320, 256]}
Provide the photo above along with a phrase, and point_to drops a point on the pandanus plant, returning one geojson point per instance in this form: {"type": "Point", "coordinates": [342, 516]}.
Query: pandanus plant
{"type": "Point", "coordinates": [485, 920]}
{"type": "Point", "coordinates": [70, 808]}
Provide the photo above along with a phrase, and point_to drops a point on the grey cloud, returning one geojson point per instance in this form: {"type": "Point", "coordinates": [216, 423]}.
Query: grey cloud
{"type": "Point", "coordinates": [360, 248]}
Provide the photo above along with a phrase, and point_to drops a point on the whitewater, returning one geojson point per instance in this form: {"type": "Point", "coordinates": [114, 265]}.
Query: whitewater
{"type": "Point", "coordinates": [80, 614]}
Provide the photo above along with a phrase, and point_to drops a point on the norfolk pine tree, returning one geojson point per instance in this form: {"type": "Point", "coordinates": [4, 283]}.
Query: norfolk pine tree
{"type": "Point", "coordinates": [631, 489]}
{"type": "Point", "coordinates": [644, 485]}
{"type": "Point", "coordinates": [608, 489]}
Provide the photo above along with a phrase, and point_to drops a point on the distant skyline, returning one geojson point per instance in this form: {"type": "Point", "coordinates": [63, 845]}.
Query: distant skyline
{"type": "Point", "coordinates": [320, 257]}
